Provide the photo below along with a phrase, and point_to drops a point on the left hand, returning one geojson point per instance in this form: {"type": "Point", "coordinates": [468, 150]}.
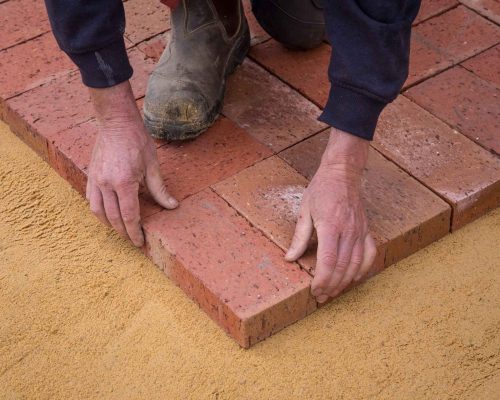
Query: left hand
{"type": "Point", "coordinates": [332, 205]}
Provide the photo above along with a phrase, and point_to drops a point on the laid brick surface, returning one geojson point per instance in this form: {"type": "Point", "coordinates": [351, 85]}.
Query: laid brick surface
{"type": "Point", "coordinates": [403, 215]}
{"type": "Point", "coordinates": [154, 47]}
{"type": "Point", "coordinates": [22, 20]}
{"type": "Point", "coordinates": [448, 39]}
{"type": "Point", "coordinates": [30, 64]}
{"type": "Point", "coordinates": [221, 151]}
{"type": "Point", "coordinates": [461, 172]}
{"type": "Point", "coordinates": [229, 268]}
{"type": "Point", "coordinates": [145, 19]}
{"type": "Point", "coordinates": [257, 34]}
{"type": "Point", "coordinates": [487, 8]}
{"type": "Point", "coordinates": [306, 71]}
{"type": "Point", "coordinates": [486, 65]}
{"type": "Point", "coordinates": [64, 102]}
{"type": "Point", "coordinates": [464, 101]}
{"type": "Point", "coordinates": [268, 109]}
{"type": "Point", "coordinates": [430, 8]}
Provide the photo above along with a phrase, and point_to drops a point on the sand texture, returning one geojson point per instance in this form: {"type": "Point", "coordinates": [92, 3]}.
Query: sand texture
{"type": "Point", "coordinates": [83, 315]}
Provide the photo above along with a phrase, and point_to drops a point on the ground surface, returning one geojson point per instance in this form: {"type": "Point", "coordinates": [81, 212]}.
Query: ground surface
{"type": "Point", "coordinates": [85, 315]}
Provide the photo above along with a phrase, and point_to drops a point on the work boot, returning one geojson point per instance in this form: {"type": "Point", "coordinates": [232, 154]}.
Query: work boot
{"type": "Point", "coordinates": [297, 24]}
{"type": "Point", "coordinates": [186, 90]}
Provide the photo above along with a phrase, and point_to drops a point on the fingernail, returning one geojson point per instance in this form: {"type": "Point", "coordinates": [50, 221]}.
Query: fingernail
{"type": "Point", "coordinates": [173, 203]}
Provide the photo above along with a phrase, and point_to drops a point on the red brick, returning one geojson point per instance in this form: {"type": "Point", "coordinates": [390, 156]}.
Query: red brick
{"type": "Point", "coordinates": [22, 20]}
{"type": "Point", "coordinates": [223, 150]}
{"type": "Point", "coordinates": [268, 109]}
{"type": "Point", "coordinates": [464, 101]}
{"type": "Point", "coordinates": [306, 71]}
{"type": "Point", "coordinates": [257, 34]}
{"type": "Point", "coordinates": [145, 19]}
{"type": "Point", "coordinates": [430, 8]}
{"type": "Point", "coordinates": [459, 33]}
{"type": "Point", "coordinates": [487, 8]}
{"type": "Point", "coordinates": [486, 65]}
{"type": "Point", "coordinates": [153, 48]}
{"type": "Point", "coordinates": [229, 268]}
{"type": "Point", "coordinates": [461, 172]}
{"type": "Point", "coordinates": [31, 64]}
{"type": "Point", "coordinates": [64, 102]}
{"type": "Point", "coordinates": [403, 215]}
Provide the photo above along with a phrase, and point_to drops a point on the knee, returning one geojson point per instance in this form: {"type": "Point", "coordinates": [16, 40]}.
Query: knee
{"type": "Point", "coordinates": [296, 24]}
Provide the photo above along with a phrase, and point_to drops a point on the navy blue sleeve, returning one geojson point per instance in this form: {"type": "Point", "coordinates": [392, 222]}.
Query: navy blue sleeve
{"type": "Point", "coordinates": [370, 52]}
{"type": "Point", "coordinates": [91, 33]}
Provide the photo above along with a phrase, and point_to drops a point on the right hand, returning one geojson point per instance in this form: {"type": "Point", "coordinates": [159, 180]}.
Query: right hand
{"type": "Point", "coordinates": [123, 158]}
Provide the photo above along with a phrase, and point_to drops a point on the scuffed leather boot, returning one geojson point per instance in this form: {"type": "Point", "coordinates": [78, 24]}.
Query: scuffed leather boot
{"type": "Point", "coordinates": [186, 90]}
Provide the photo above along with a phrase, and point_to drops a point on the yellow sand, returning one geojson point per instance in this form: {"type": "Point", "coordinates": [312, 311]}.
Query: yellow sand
{"type": "Point", "coordinates": [83, 315]}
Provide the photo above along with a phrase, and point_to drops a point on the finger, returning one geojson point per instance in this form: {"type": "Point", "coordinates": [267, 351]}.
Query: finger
{"type": "Point", "coordinates": [128, 200]}
{"type": "Point", "coordinates": [370, 252]}
{"type": "Point", "coordinates": [96, 204]}
{"type": "Point", "coordinates": [353, 267]}
{"type": "Point", "coordinates": [346, 244]}
{"type": "Point", "coordinates": [112, 210]}
{"type": "Point", "coordinates": [326, 260]}
{"type": "Point", "coordinates": [156, 186]}
{"type": "Point", "coordinates": [303, 231]}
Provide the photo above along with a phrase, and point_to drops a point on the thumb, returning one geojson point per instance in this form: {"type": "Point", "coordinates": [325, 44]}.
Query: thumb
{"type": "Point", "coordinates": [157, 188]}
{"type": "Point", "coordinates": [300, 240]}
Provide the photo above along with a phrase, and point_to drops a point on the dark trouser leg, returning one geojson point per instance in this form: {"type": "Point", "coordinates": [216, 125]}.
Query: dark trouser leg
{"type": "Point", "coordinates": [297, 24]}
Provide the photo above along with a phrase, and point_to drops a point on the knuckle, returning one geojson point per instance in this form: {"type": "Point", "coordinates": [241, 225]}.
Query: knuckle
{"type": "Point", "coordinates": [129, 217]}
{"type": "Point", "coordinates": [329, 258]}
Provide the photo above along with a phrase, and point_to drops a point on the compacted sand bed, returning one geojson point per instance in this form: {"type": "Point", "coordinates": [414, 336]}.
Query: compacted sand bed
{"type": "Point", "coordinates": [83, 315]}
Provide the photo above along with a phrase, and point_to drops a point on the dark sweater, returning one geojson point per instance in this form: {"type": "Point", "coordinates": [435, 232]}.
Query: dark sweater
{"type": "Point", "coordinates": [370, 41]}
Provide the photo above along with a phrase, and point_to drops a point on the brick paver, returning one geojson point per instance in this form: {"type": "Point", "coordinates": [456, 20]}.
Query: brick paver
{"type": "Point", "coordinates": [22, 20]}
{"type": "Point", "coordinates": [224, 245]}
{"type": "Point", "coordinates": [461, 172]}
{"type": "Point", "coordinates": [229, 268]}
{"type": "Point", "coordinates": [464, 101]}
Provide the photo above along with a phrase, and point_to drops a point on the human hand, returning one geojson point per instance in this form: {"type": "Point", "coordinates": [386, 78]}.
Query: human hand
{"type": "Point", "coordinates": [332, 205]}
{"type": "Point", "coordinates": [124, 157]}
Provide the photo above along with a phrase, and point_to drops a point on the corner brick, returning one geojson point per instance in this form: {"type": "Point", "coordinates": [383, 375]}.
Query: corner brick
{"type": "Point", "coordinates": [464, 101]}
{"type": "Point", "coordinates": [306, 71]}
{"type": "Point", "coordinates": [22, 20]}
{"type": "Point", "coordinates": [486, 65]}
{"type": "Point", "coordinates": [31, 64]}
{"type": "Point", "coordinates": [451, 165]}
{"type": "Point", "coordinates": [145, 19]}
{"type": "Point", "coordinates": [268, 109]}
{"type": "Point", "coordinates": [237, 276]}
{"type": "Point", "coordinates": [487, 8]}
{"type": "Point", "coordinates": [223, 150]}
{"type": "Point", "coordinates": [403, 215]}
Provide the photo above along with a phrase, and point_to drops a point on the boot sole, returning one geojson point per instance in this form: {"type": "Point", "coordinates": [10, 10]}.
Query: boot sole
{"type": "Point", "coordinates": [164, 131]}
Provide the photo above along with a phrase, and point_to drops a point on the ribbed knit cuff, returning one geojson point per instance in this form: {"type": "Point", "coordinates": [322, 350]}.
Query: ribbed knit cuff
{"type": "Point", "coordinates": [352, 112]}
{"type": "Point", "coordinates": [105, 67]}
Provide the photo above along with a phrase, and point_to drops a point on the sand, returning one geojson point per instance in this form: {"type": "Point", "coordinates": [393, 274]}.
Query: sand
{"type": "Point", "coordinates": [83, 315]}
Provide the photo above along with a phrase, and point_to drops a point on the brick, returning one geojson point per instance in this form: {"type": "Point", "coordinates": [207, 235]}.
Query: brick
{"type": "Point", "coordinates": [230, 269]}
{"type": "Point", "coordinates": [145, 19]}
{"type": "Point", "coordinates": [430, 8]}
{"type": "Point", "coordinates": [223, 150]}
{"type": "Point", "coordinates": [22, 20]}
{"type": "Point", "coordinates": [31, 64]}
{"type": "Point", "coordinates": [306, 71]}
{"type": "Point", "coordinates": [461, 172]}
{"type": "Point", "coordinates": [487, 8]}
{"type": "Point", "coordinates": [465, 102]}
{"type": "Point", "coordinates": [403, 215]}
{"type": "Point", "coordinates": [257, 34]}
{"type": "Point", "coordinates": [448, 39]}
{"type": "Point", "coordinates": [64, 102]}
{"type": "Point", "coordinates": [486, 65]}
{"type": "Point", "coordinates": [459, 33]}
{"type": "Point", "coordinates": [154, 47]}
{"type": "Point", "coordinates": [268, 109]}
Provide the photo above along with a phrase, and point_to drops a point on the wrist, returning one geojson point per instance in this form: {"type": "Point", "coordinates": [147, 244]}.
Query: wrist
{"type": "Point", "coordinates": [345, 153]}
{"type": "Point", "coordinates": [115, 105]}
